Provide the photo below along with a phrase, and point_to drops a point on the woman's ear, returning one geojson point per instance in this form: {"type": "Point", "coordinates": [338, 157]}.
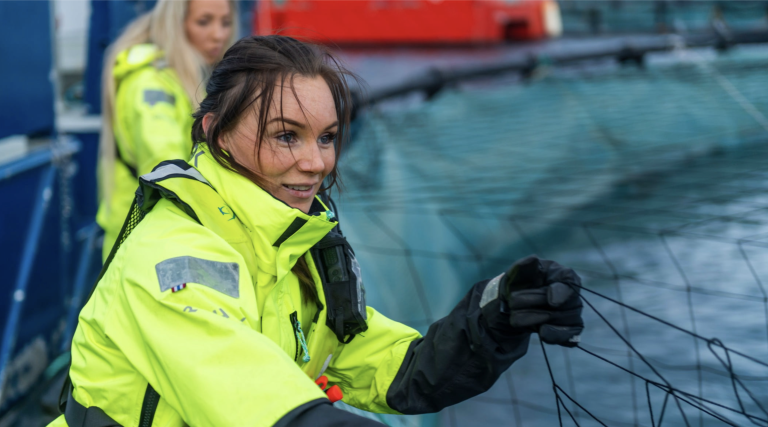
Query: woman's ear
{"type": "Point", "coordinates": [208, 119]}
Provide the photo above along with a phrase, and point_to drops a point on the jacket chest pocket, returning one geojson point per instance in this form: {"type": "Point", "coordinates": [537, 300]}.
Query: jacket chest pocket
{"type": "Point", "coordinates": [277, 321]}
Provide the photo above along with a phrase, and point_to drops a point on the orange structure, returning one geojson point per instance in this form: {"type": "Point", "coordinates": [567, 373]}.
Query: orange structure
{"type": "Point", "coordinates": [409, 21]}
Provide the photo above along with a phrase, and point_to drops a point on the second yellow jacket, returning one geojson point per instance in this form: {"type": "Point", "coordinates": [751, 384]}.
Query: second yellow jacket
{"type": "Point", "coordinates": [152, 122]}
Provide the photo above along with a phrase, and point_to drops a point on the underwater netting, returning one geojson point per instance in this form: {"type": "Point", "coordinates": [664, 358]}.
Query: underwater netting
{"type": "Point", "coordinates": [651, 183]}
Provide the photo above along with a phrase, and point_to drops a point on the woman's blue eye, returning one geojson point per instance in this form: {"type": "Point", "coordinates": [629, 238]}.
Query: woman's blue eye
{"type": "Point", "coordinates": [286, 137]}
{"type": "Point", "coordinates": [327, 139]}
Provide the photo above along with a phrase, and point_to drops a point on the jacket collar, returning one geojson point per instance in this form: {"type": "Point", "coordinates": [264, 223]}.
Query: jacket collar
{"type": "Point", "coordinates": [279, 233]}
{"type": "Point", "coordinates": [135, 58]}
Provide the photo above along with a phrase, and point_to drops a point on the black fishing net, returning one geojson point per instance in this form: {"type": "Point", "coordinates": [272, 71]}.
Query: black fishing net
{"type": "Point", "coordinates": [651, 183]}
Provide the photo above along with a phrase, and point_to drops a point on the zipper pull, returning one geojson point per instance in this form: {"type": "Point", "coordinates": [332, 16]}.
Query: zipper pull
{"type": "Point", "coordinates": [302, 340]}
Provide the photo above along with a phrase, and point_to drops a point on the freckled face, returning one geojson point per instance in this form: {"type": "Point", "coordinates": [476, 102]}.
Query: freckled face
{"type": "Point", "coordinates": [208, 25]}
{"type": "Point", "coordinates": [297, 151]}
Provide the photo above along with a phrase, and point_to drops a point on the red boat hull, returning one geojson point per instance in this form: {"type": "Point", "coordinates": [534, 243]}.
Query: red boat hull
{"type": "Point", "coordinates": [408, 21]}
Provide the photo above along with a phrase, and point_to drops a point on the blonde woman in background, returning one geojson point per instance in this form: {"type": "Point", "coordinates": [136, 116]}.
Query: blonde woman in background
{"type": "Point", "coordinates": [151, 84]}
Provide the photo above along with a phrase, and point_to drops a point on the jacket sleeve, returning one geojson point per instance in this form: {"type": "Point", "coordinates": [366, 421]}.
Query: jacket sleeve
{"type": "Point", "coordinates": [461, 356]}
{"type": "Point", "coordinates": [197, 347]}
{"type": "Point", "coordinates": [365, 368]}
{"type": "Point", "coordinates": [154, 126]}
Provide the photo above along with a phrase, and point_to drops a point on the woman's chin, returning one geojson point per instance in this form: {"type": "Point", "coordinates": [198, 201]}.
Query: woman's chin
{"type": "Point", "coordinates": [303, 206]}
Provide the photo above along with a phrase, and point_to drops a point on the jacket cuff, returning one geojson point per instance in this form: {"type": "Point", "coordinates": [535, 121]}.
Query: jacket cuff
{"type": "Point", "coordinates": [321, 413]}
{"type": "Point", "coordinates": [494, 319]}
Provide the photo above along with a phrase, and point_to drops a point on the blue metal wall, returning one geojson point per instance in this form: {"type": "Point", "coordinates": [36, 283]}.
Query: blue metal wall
{"type": "Point", "coordinates": [25, 68]}
{"type": "Point", "coordinates": [49, 247]}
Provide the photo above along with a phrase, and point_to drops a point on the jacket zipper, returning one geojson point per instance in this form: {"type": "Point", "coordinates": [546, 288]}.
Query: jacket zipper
{"type": "Point", "coordinates": [295, 318]}
{"type": "Point", "coordinates": [148, 407]}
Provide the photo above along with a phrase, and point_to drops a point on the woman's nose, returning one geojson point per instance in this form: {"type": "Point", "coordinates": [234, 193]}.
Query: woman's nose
{"type": "Point", "coordinates": [219, 32]}
{"type": "Point", "coordinates": [310, 160]}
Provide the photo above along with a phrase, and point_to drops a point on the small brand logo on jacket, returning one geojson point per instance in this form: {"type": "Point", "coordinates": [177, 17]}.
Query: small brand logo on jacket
{"type": "Point", "coordinates": [225, 210]}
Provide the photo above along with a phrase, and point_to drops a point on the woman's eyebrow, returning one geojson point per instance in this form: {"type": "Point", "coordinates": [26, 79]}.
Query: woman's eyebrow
{"type": "Point", "coordinates": [288, 121]}
{"type": "Point", "coordinates": [299, 124]}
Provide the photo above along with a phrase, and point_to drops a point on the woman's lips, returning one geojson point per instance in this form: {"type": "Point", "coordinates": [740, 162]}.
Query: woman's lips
{"type": "Point", "coordinates": [300, 191]}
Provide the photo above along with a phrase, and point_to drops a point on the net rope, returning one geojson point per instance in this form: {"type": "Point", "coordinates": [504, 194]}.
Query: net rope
{"type": "Point", "coordinates": [679, 395]}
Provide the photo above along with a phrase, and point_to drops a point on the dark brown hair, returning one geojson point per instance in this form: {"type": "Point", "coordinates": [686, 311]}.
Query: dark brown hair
{"type": "Point", "coordinates": [246, 78]}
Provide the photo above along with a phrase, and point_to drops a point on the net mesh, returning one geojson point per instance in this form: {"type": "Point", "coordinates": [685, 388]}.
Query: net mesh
{"type": "Point", "coordinates": [135, 216]}
{"type": "Point", "coordinates": [651, 183]}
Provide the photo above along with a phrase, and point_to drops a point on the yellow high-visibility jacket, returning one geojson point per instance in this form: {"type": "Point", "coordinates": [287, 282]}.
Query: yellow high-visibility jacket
{"type": "Point", "coordinates": [152, 122]}
{"type": "Point", "coordinates": [221, 350]}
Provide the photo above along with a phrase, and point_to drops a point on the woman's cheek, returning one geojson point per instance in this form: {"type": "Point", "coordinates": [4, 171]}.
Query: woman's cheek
{"type": "Point", "coordinates": [329, 159]}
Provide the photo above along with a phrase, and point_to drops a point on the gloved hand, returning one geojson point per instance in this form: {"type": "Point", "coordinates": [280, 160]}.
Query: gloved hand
{"type": "Point", "coordinates": [539, 299]}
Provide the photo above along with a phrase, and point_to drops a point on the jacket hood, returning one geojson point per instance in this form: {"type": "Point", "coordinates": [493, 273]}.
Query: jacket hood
{"type": "Point", "coordinates": [134, 58]}
{"type": "Point", "coordinates": [279, 233]}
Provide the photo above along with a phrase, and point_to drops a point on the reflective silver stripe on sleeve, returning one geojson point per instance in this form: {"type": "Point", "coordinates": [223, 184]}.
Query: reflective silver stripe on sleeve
{"type": "Point", "coordinates": [153, 96]}
{"type": "Point", "coordinates": [170, 169]}
{"type": "Point", "coordinates": [221, 276]}
{"type": "Point", "coordinates": [491, 291]}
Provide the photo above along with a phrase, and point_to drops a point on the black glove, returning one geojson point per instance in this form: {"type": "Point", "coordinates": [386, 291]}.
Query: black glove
{"type": "Point", "coordinates": [543, 296]}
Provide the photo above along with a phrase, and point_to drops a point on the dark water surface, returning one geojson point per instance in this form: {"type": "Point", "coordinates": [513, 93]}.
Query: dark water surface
{"type": "Point", "coordinates": [650, 183]}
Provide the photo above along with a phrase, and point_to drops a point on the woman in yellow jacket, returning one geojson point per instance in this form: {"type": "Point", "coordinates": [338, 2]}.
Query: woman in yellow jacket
{"type": "Point", "coordinates": [152, 74]}
{"type": "Point", "coordinates": [237, 294]}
